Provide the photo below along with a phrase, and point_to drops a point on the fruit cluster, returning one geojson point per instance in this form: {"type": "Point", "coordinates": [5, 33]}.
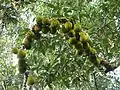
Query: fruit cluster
{"type": "Point", "coordinates": [76, 35]}
{"type": "Point", "coordinates": [80, 41]}
{"type": "Point", "coordinates": [21, 54]}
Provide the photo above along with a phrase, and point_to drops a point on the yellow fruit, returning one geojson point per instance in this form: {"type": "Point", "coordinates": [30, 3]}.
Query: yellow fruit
{"type": "Point", "coordinates": [21, 54]}
{"type": "Point", "coordinates": [84, 37]}
{"type": "Point", "coordinates": [15, 50]}
{"type": "Point", "coordinates": [30, 80]}
{"type": "Point", "coordinates": [45, 21]}
{"type": "Point", "coordinates": [39, 20]}
{"type": "Point", "coordinates": [68, 25]}
{"type": "Point", "coordinates": [77, 28]}
{"type": "Point", "coordinates": [72, 40]}
{"type": "Point", "coordinates": [54, 23]}
{"type": "Point", "coordinates": [30, 35]}
{"type": "Point", "coordinates": [78, 45]}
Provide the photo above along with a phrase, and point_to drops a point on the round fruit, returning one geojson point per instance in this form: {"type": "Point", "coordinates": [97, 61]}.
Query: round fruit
{"type": "Point", "coordinates": [72, 40]}
{"type": "Point", "coordinates": [78, 45]}
{"type": "Point", "coordinates": [54, 23]}
{"type": "Point", "coordinates": [39, 20]}
{"type": "Point", "coordinates": [27, 43]}
{"type": "Point", "coordinates": [64, 30]}
{"type": "Point", "coordinates": [53, 30]}
{"type": "Point", "coordinates": [68, 25]}
{"type": "Point", "coordinates": [45, 30]}
{"type": "Point", "coordinates": [84, 37]}
{"type": "Point", "coordinates": [77, 28]}
{"type": "Point", "coordinates": [45, 21]}
{"type": "Point", "coordinates": [15, 50]}
{"type": "Point", "coordinates": [30, 80]}
{"type": "Point", "coordinates": [30, 35]}
{"type": "Point", "coordinates": [21, 54]}
{"type": "Point", "coordinates": [71, 33]}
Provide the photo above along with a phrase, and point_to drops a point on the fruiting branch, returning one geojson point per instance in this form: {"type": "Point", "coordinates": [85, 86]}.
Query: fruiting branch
{"type": "Point", "coordinates": [75, 34]}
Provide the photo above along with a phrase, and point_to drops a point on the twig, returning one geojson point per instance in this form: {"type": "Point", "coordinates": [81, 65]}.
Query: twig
{"type": "Point", "coordinates": [95, 80]}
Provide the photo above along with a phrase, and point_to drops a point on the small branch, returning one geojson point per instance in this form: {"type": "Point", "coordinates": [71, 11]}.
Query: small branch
{"type": "Point", "coordinates": [95, 81]}
{"type": "Point", "coordinates": [108, 66]}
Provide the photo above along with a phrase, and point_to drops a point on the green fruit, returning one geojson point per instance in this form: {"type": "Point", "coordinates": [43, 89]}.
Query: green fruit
{"type": "Point", "coordinates": [39, 20]}
{"type": "Point", "coordinates": [71, 33]}
{"type": "Point", "coordinates": [53, 30]}
{"type": "Point", "coordinates": [22, 69]}
{"type": "Point", "coordinates": [30, 35]}
{"type": "Point", "coordinates": [77, 28]}
{"type": "Point", "coordinates": [68, 25]}
{"type": "Point", "coordinates": [45, 21]}
{"type": "Point", "coordinates": [45, 30]}
{"type": "Point", "coordinates": [21, 54]}
{"type": "Point", "coordinates": [27, 43]}
{"type": "Point", "coordinates": [15, 50]}
{"type": "Point", "coordinates": [21, 62]}
{"type": "Point", "coordinates": [84, 37]}
{"type": "Point", "coordinates": [54, 23]}
{"type": "Point", "coordinates": [64, 30]}
{"type": "Point", "coordinates": [30, 80]}
{"type": "Point", "coordinates": [78, 45]}
{"type": "Point", "coordinates": [72, 41]}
